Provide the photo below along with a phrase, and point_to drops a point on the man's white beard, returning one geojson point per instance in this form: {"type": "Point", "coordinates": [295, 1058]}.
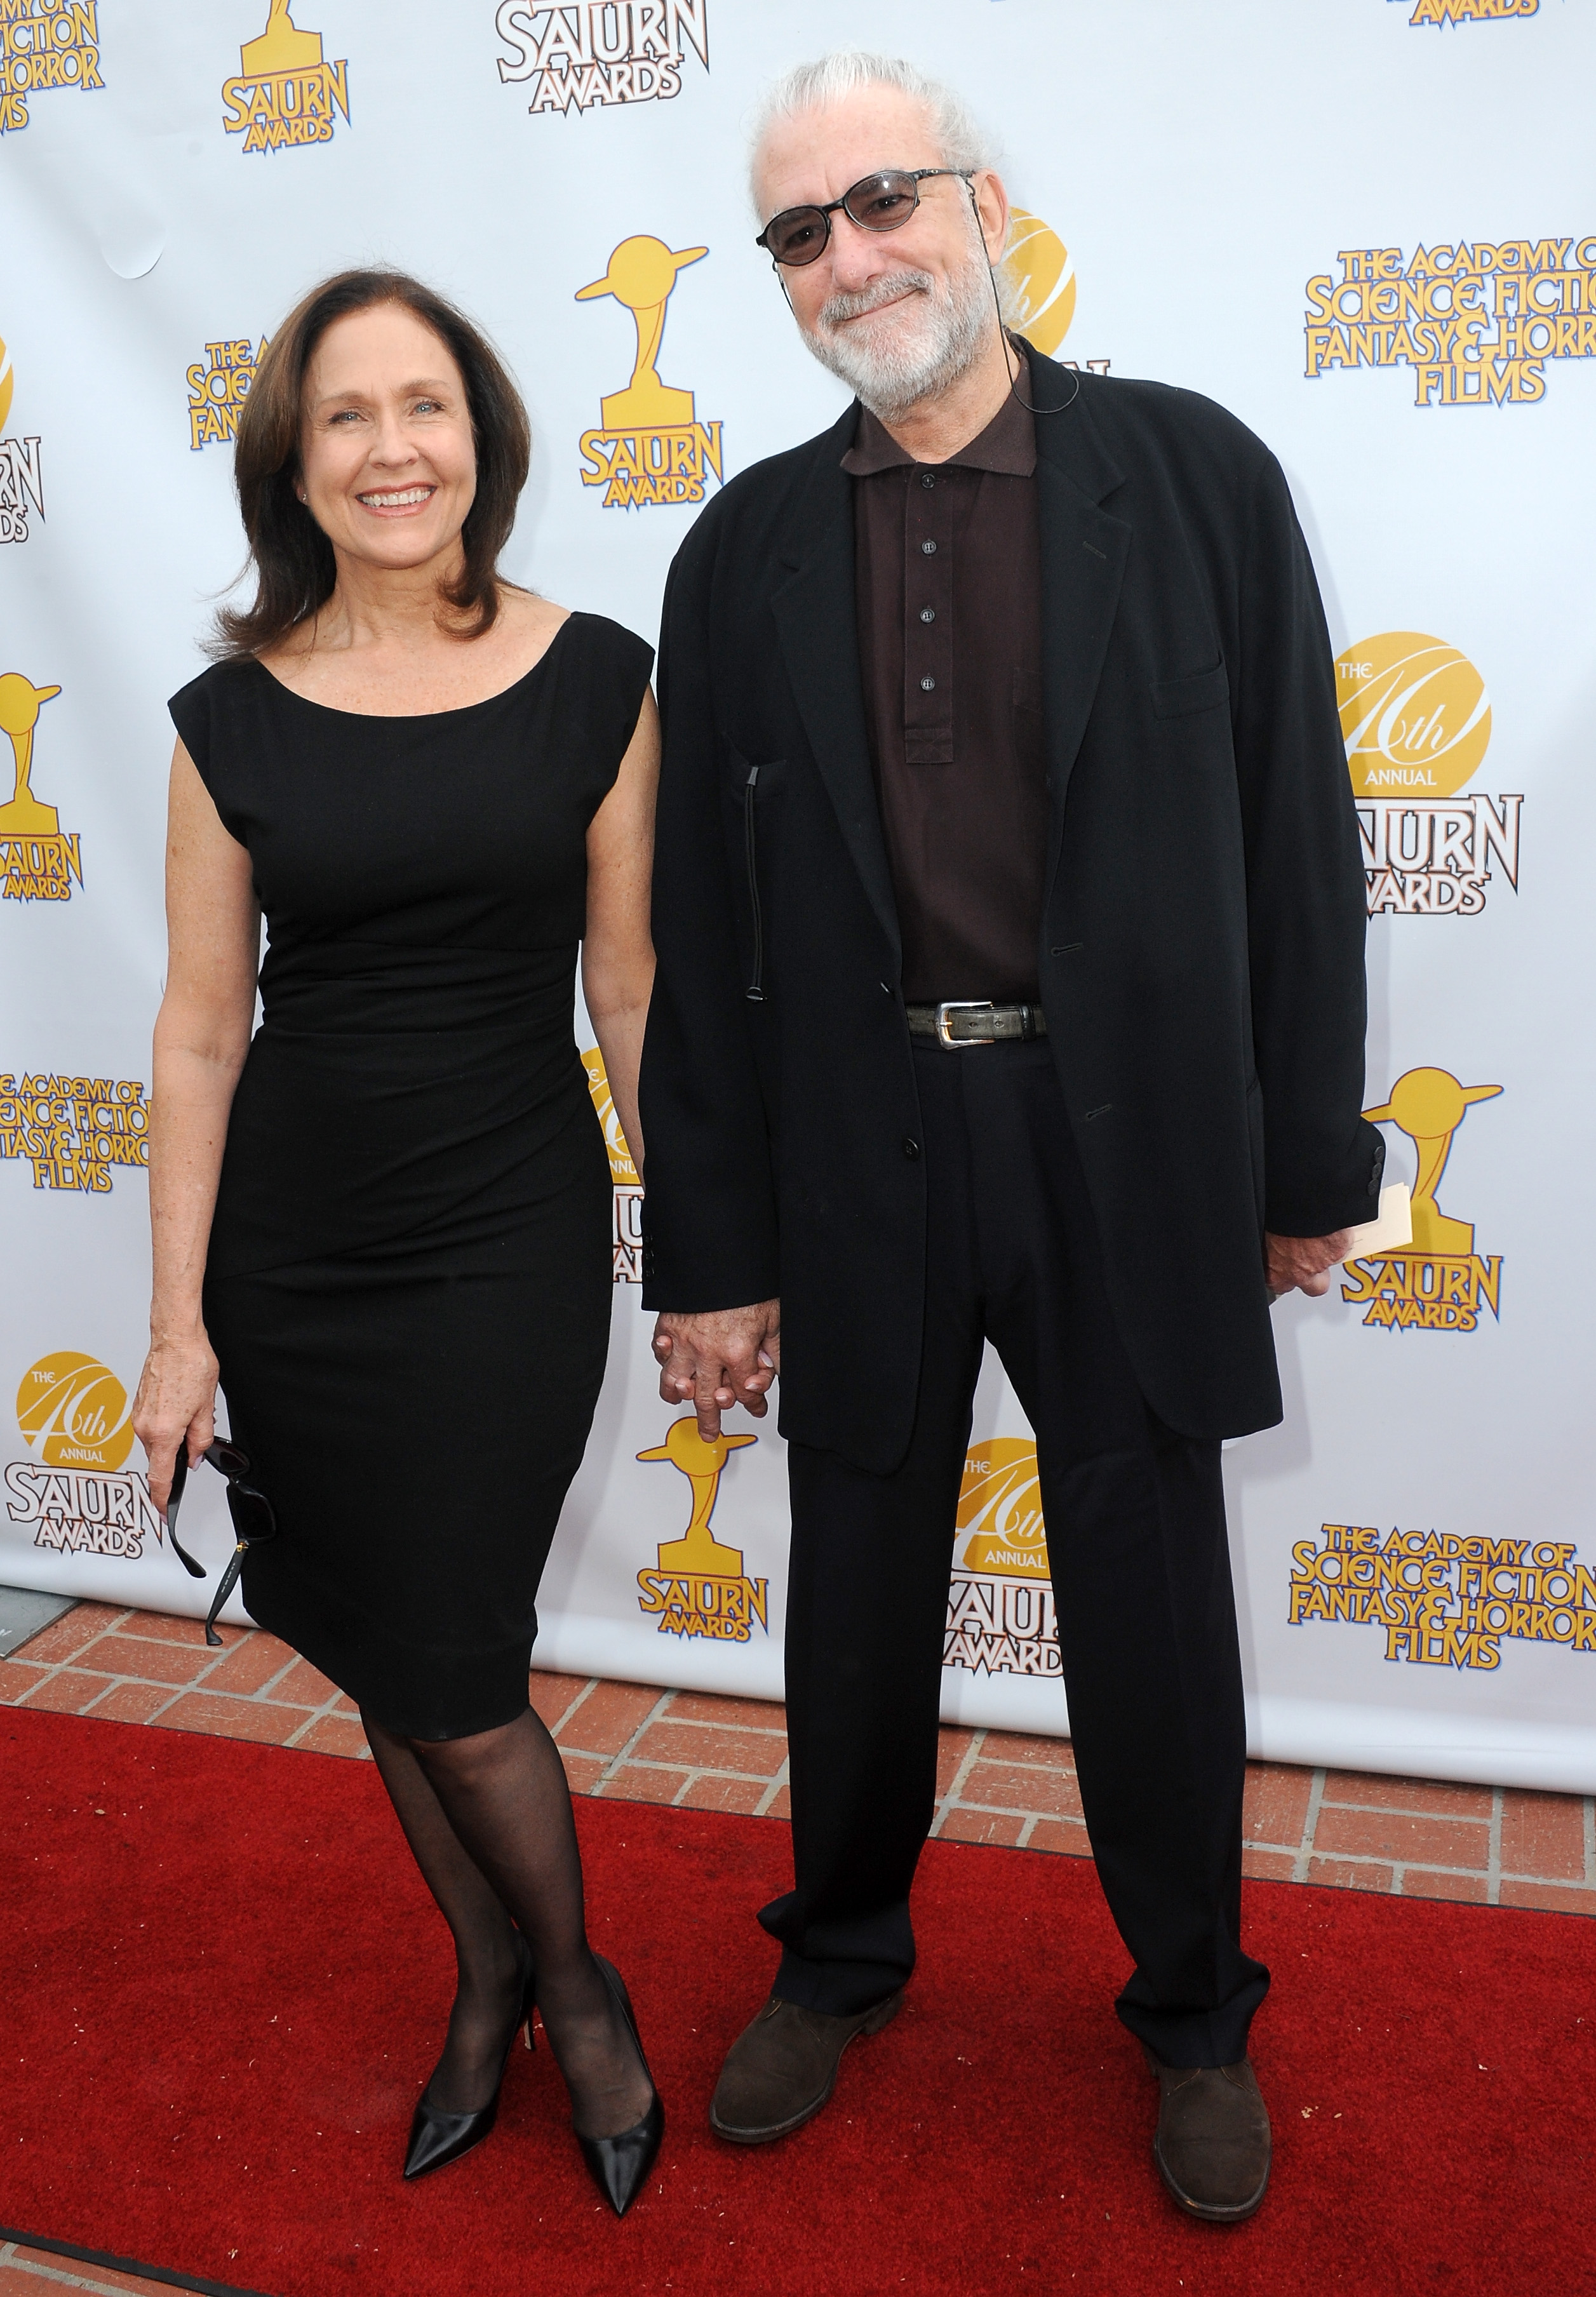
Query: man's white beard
{"type": "Point", "coordinates": [929, 343]}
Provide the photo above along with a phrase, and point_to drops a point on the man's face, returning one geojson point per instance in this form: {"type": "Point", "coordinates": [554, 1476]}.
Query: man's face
{"type": "Point", "coordinates": [899, 315]}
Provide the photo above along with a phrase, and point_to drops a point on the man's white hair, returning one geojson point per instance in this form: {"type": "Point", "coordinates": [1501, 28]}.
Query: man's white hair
{"type": "Point", "coordinates": [958, 136]}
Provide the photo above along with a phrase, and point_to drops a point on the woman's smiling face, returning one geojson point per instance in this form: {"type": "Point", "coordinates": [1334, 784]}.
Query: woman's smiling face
{"type": "Point", "coordinates": [387, 458]}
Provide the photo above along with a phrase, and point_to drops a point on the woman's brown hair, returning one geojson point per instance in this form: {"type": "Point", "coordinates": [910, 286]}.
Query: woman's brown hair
{"type": "Point", "coordinates": [291, 558]}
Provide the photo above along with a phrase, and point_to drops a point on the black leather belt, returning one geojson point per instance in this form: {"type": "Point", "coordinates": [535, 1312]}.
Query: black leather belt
{"type": "Point", "coordinates": [964, 1023]}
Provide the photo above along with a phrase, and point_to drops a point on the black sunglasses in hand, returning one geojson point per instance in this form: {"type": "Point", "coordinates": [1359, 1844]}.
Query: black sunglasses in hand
{"type": "Point", "coordinates": [254, 1521]}
{"type": "Point", "coordinates": [880, 202]}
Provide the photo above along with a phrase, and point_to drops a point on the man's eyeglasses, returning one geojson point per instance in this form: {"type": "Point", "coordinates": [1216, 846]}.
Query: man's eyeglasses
{"type": "Point", "coordinates": [253, 1521]}
{"type": "Point", "coordinates": [882, 202]}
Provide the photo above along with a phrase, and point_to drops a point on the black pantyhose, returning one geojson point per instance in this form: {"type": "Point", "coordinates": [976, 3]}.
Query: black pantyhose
{"type": "Point", "coordinates": [489, 1821]}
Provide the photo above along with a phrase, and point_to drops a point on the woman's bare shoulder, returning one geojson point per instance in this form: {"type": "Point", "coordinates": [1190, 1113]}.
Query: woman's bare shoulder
{"type": "Point", "coordinates": [531, 618]}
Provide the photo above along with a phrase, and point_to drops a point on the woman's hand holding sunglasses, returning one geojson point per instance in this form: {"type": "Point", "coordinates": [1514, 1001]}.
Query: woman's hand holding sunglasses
{"type": "Point", "coordinates": [175, 1405]}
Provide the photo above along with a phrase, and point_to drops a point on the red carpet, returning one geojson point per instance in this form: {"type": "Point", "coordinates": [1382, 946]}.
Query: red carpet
{"type": "Point", "coordinates": [226, 1987]}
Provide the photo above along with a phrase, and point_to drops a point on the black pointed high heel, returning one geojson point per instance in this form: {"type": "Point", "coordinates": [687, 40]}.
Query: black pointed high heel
{"type": "Point", "coordinates": [619, 2166]}
{"type": "Point", "coordinates": [437, 2138]}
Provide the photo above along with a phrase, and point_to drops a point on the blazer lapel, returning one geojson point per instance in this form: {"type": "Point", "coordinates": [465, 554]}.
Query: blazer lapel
{"type": "Point", "coordinates": [1083, 555]}
{"type": "Point", "coordinates": [815, 616]}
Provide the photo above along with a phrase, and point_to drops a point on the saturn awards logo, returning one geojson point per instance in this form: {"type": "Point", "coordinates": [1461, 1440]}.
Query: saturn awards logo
{"type": "Point", "coordinates": [22, 471]}
{"type": "Point", "coordinates": [1442, 12]}
{"type": "Point", "coordinates": [1037, 281]}
{"type": "Point", "coordinates": [1416, 720]}
{"type": "Point", "coordinates": [1444, 1601]}
{"type": "Point", "coordinates": [75, 1132]}
{"type": "Point", "coordinates": [1000, 1618]}
{"type": "Point", "coordinates": [1476, 323]}
{"type": "Point", "coordinates": [700, 1587]}
{"type": "Point", "coordinates": [217, 386]}
{"type": "Point", "coordinates": [600, 51]}
{"type": "Point", "coordinates": [45, 44]}
{"type": "Point", "coordinates": [1437, 1282]}
{"type": "Point", "coordinates": [37, 859]}
{"type": "Point", "coordinates": [286, 93]}
{"type": "Point", "coordinates": [73, 1415]}
{"type": "Point", "coordinates": [627, 1182]}
{"type": "Point", "coordinates": [650, 446]}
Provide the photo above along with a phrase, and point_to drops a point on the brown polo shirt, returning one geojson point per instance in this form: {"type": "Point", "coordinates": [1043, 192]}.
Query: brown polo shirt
{"type": "Point", "coordinates": [948, 592]}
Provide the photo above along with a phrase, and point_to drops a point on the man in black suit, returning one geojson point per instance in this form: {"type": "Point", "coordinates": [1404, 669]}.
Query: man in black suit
{"type": "Point", "coordinates": [1010, 927]}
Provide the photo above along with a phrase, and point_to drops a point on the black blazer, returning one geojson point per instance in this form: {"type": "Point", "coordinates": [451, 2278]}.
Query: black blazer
{"type": "Point", "coordinates": [1201, 945]}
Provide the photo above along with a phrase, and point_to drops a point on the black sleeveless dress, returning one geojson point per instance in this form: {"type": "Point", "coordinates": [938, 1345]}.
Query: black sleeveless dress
{"type": "Point", "coordinates": [408, 1284]}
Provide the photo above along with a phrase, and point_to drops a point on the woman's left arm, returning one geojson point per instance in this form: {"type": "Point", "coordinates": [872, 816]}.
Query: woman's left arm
{"type": "Point", "coordinates": [617, 950]}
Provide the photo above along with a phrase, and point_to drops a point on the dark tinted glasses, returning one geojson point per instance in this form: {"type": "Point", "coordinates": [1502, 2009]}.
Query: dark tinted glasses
{"type": "Point", "coordinates": [254, 1521]}
{"type": "Point", "coordinates": [883, 202]}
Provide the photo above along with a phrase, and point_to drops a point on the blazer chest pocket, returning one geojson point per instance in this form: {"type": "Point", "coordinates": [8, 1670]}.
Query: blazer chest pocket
{"type": "Point", "coordinates": [1180, 698]}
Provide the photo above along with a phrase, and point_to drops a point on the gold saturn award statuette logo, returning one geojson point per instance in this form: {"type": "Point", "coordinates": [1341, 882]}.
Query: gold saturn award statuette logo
{"type": "Point", "coordinates": [650, 446]}
{"type": "Point", "coordinates": [1000, 1617]}
{"type": "Point", "coordinates": [21, 474]}
{"type": "Point", "coordinates": [73, 1415]}
{"type": "Point", "coordinates": [700, 1587]}
{"type": "Point", "coordinates": [1416, 720]}
{"type": "Point", "coordinates": [37, 862]}
{"type": "Point", "coordinates": [285, 93]}
{"type": "Point", "coordinates": [1437, 1282]}
{"type": "Point", "coordinates": [627, 1187]}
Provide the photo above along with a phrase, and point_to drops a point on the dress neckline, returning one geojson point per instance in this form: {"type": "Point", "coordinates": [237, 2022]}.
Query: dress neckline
{"type": "Point", "coordinates": [416, 717]}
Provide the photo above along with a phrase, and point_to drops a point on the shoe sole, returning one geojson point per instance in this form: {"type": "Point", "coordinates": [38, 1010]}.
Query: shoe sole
{"type": "Point", "coordinates": [1214, 2213]}
{"type": "Point", "coordinates": [882, 2015]}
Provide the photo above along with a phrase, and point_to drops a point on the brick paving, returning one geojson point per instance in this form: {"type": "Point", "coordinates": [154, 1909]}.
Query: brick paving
{"type": "Point", "coordinates": [1416, 1838]}
{"type": "Point", "coordinates": [35, 2272]}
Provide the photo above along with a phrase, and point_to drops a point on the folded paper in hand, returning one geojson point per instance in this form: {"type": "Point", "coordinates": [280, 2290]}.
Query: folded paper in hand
{"type": "Point", "coordinates": [1394, 1228]}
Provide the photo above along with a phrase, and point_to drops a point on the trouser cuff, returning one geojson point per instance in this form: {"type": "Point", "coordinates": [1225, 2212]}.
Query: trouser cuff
{"type": "Point", "coordinates": [1197, 2038]}
{"type": "Point", "coordinates": [840, 1989]}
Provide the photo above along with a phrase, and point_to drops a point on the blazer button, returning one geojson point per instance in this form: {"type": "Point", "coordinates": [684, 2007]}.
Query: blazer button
{"type": "Point", "coordinates": [911, 1149]}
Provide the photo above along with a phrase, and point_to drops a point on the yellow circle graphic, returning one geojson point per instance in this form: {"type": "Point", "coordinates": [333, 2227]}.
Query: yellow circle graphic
{"type": "Point", "coordinates": [73, 1412]}
{"type": "Point", "coordinates": [1415, 715]}
{"type": "Point", "coordinates": [1041, 280]}
{"type": "Point", "coordinates": [999, 1506]}
{"type": "Point", "coordinates": [623, 1173]}
{"type": "Point", "coordinates": [7, 383]}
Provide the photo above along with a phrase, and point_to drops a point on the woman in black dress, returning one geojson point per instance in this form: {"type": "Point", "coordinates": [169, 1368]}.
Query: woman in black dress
{"type": "Point", "coordinates": [384, 1223]}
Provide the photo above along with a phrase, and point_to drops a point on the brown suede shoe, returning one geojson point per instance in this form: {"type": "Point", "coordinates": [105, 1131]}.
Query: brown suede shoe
{"type": "Point", "coordinates": [1211, 2145]}
{"type": "Point", "coordinates": [781, 2071]}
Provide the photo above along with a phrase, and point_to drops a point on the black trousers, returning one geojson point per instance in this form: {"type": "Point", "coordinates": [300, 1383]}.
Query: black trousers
{"type": "Point", "coordinates": [1141, 1576]}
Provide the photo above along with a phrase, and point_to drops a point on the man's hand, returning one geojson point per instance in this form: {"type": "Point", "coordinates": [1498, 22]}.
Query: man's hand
{"type": "Point", "coordinates": [1303, 1264]}
{"type": "Point", "coordinates": [722, 1357]}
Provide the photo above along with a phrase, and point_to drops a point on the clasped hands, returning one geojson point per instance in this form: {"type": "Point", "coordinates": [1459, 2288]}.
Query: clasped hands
{"type": "Point", "coordinates": [718, 1357]}
{"type": "Point", "coordinates": [723, 1356]}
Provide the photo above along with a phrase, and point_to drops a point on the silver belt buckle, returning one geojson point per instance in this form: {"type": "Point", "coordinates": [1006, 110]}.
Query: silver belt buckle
{"type": "Point", "coordinates": [944, 1035]}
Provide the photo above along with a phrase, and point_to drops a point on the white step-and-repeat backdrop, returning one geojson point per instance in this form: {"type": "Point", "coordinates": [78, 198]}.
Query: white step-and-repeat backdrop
{"type": "Point", "coordinates": [1368, 226]}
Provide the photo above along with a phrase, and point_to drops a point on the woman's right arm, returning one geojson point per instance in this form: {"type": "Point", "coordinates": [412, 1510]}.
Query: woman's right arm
{"type": "Point", "coordinates": [201, 1036]}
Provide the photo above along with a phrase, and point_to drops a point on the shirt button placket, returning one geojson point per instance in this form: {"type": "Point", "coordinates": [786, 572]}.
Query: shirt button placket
{"type": "Point", "coordinates": [928, 618]}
